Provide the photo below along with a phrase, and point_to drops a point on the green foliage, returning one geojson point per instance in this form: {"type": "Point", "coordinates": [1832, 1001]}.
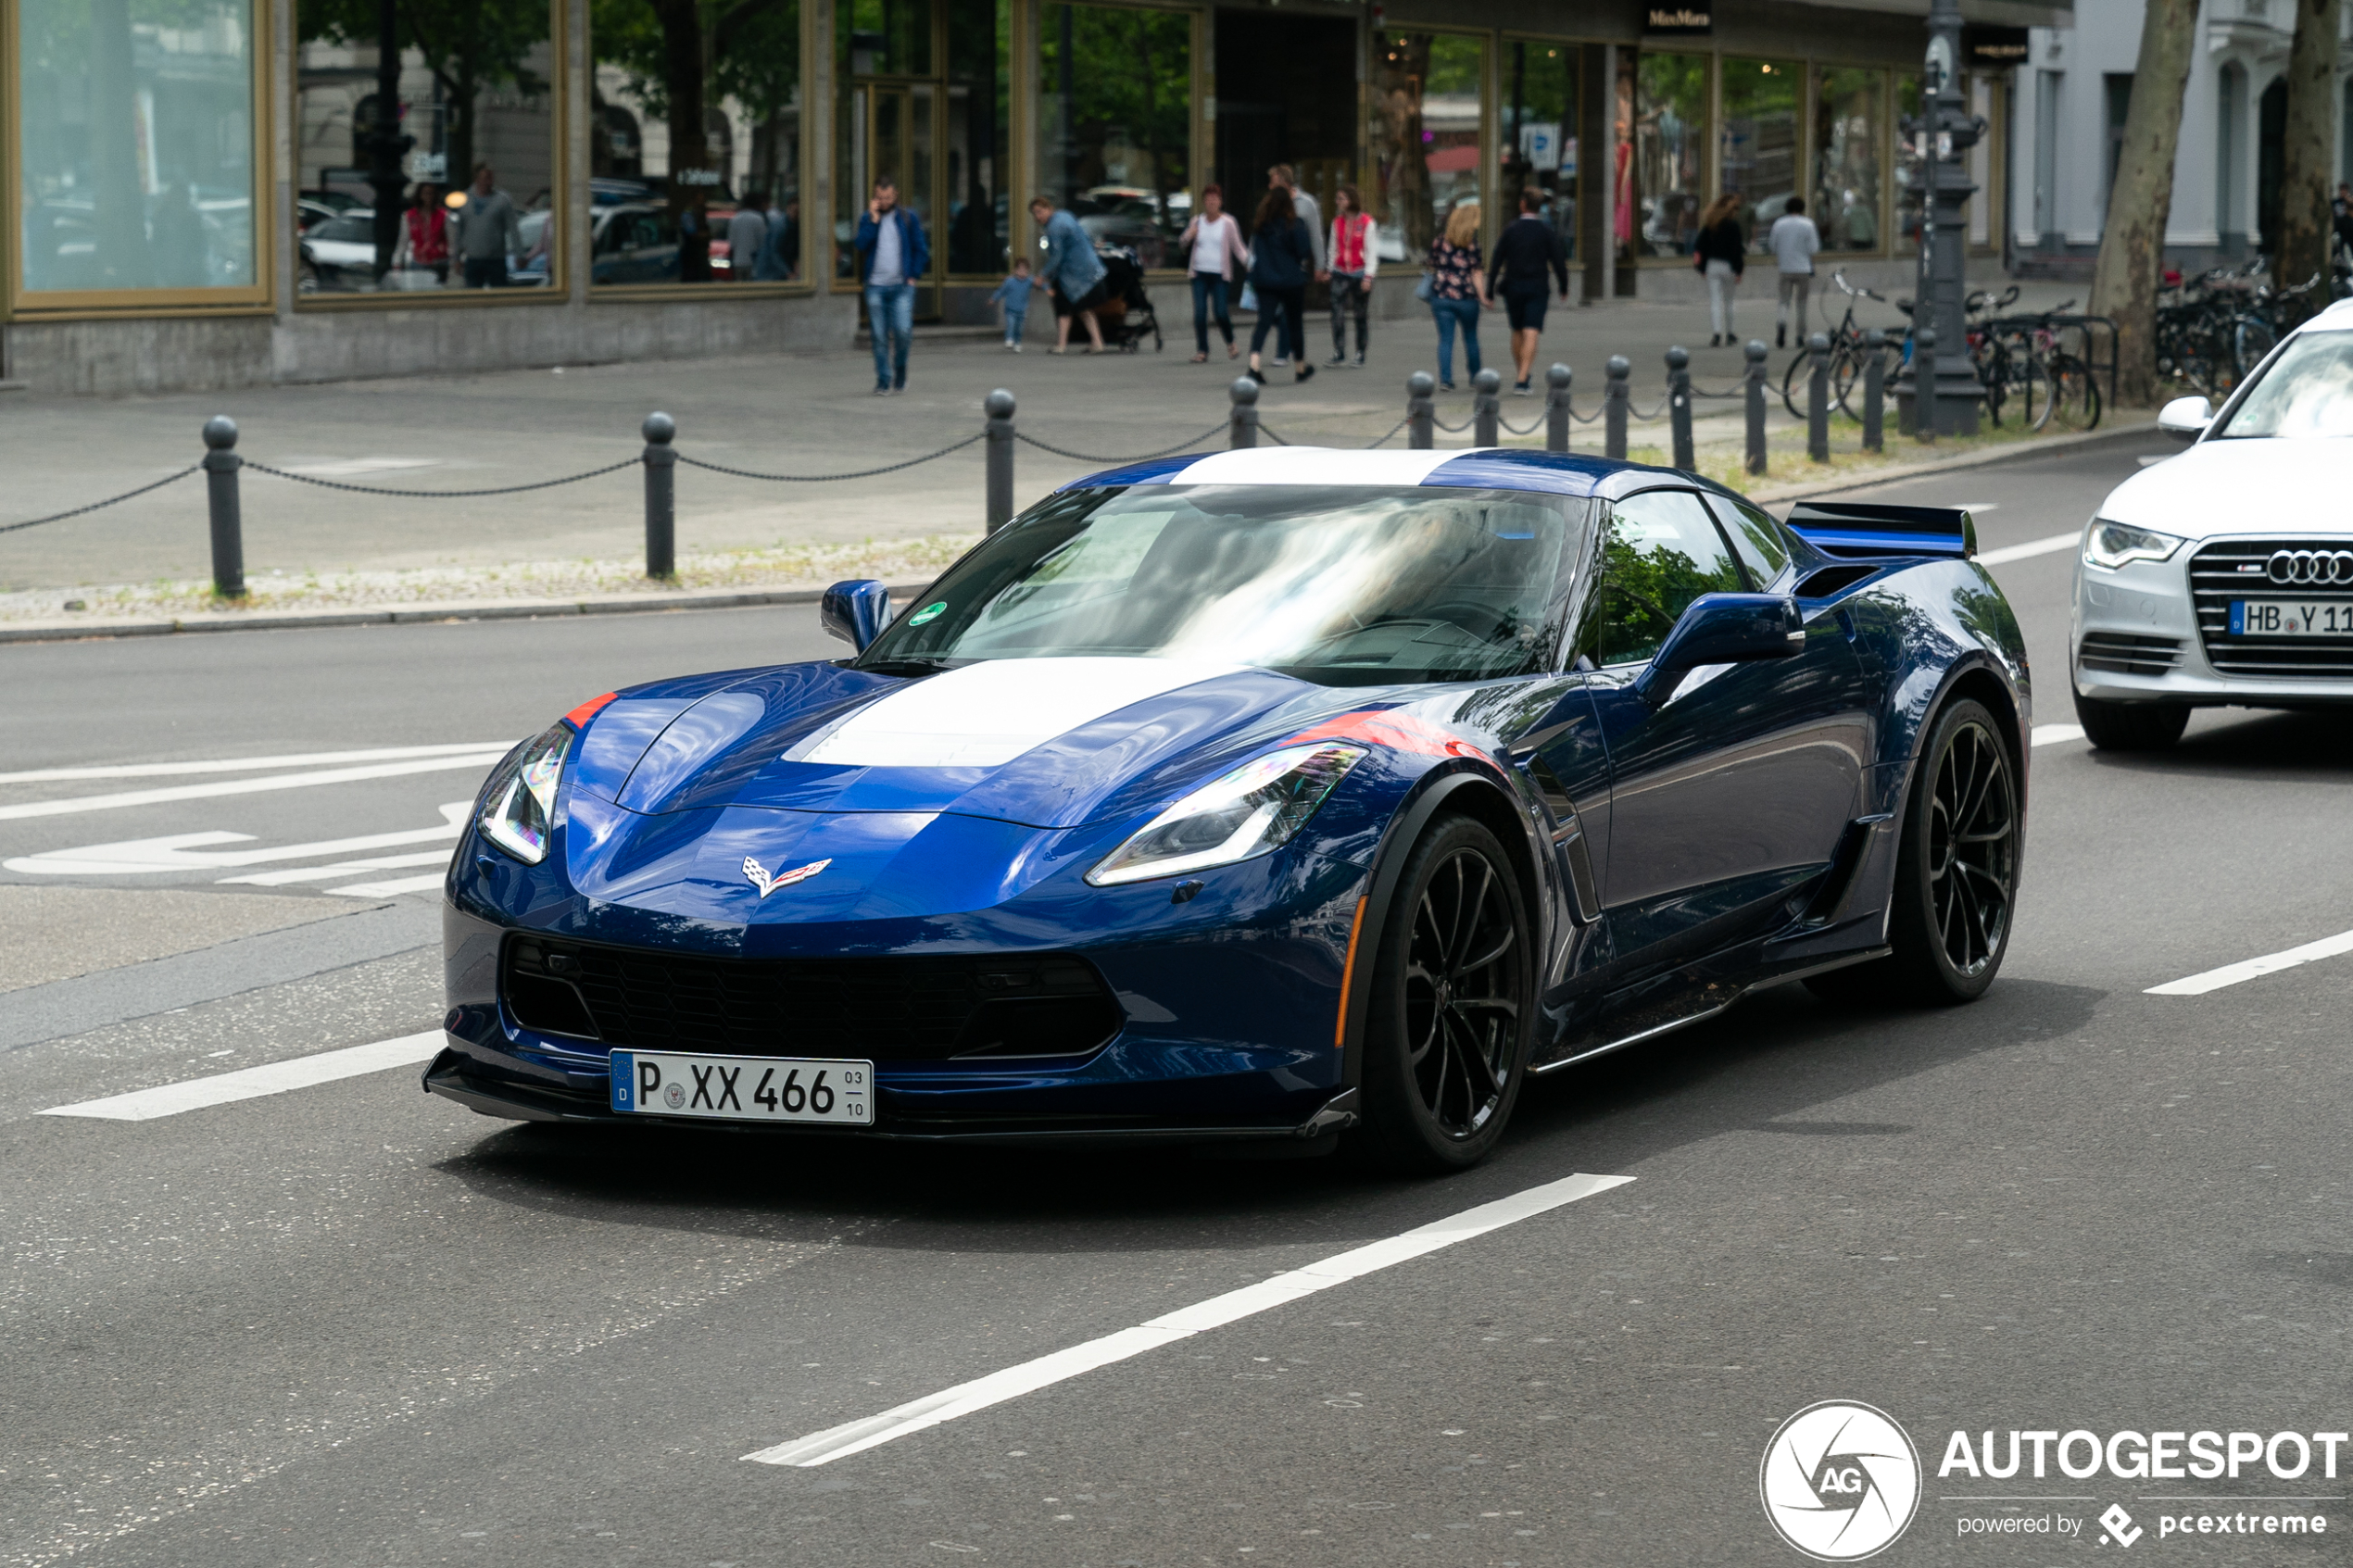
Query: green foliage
{"type": "Point", "coordinates": [1647, 583]}
{"type": "Point", "coordinates": [1130, 73]}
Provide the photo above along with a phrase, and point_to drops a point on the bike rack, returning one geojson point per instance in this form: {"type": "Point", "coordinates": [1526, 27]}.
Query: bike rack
{"type": "Point", "coordinates": [2084, 325]}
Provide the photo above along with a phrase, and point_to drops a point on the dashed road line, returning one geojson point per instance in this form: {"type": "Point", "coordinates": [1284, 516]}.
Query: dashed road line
{"type": "Point", "coordinates": [2008, 553]}
{"type": "Point", "coordinates": [2251, 968]}
{"type": "Point", "coordinates": [73, 804]}
{"type": "Point", "coordinates": [2051, 734]}
{"type": "Point", "coordinates": [248, 764]}
{"type": "Point", "coordinates": [252, 1083]}
{"type": "Point", "coordinates": [856, 1436]}
{"type": "Point", "coordinates": [341, 868]}
{"type": "Point", "coordinates": [386, 889]}
{"type": "Point", "coordinates": [185, 851]}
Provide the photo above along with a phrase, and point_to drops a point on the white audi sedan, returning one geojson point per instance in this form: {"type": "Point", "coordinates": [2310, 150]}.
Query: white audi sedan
{"type": "Point", "coordinates": [2223, 576]}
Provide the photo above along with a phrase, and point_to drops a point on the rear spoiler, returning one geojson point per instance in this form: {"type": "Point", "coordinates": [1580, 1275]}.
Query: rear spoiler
{"type": "Point", "coordinates": [1852, 529]}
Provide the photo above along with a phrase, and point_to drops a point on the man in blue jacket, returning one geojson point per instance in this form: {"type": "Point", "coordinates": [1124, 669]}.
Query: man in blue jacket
{"type": "Point", "coordinates": [1072, 274]}
{"type": "Point", "coordinates": [892, 254]}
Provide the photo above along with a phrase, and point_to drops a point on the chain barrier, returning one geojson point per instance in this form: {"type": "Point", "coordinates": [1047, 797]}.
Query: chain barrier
{"type": "Point", "coordinates": [431, 495]}
{"type": "Point", "coordinates": [97, 505]}
{"type": "Point", "coordinates": [825, 478]}
{"type": "Point", "coordinates": [1392, 431]}
{"type": "Point", "coordinates": [1272, 436]}
{"type": "Point", "coordinates": [1090, 457]}
{"type": "Point", "coordinates": [1585, 419]}
{"type": "Point", "coordinates": [1641, 418]}
{"type": "Point", "coordinates": [1508, 427]}
{"type": "Point", "coordinates": [1738, 389]}
{"type": "Point", "coordinates": [1437, 423]}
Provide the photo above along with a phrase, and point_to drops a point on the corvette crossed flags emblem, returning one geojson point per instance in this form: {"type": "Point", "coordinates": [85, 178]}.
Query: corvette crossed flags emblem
{"type": "Point", "coordinates": [757, 874]}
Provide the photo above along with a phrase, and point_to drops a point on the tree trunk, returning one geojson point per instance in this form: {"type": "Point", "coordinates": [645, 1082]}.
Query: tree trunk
{"type": "Point", "coordinates": [2131, 259]}
{"type": "Point", "coordinates": [2305, 156]}
{"type": "Point", "coordinates": [682, 58]}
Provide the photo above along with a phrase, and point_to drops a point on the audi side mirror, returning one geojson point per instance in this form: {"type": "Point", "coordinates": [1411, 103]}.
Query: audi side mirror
{"type": "Point", "coordinates": [2185, 418]}
{"type": "Point", "coordinates": [855, 611]}
{"type": "Point", "coordinates": [1723, 629]}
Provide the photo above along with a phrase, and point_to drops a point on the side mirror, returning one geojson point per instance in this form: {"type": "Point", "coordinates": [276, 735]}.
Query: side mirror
{"type": "Point", "coordinates": [1723, 629]}
{"type": "Point", "coordinates": [856, 612]}
{"type": "Point", "coordinates": [2185, 418]}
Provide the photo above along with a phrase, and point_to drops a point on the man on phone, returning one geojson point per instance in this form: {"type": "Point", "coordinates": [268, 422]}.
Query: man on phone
{"type": "Point", "coordinates": [892, 253]}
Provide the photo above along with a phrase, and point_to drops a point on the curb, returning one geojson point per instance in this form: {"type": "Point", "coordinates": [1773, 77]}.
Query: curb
{"type": "Point", "coordinates": [1898, 473]}
{"type": "Point", "coordinates": [417, 614]}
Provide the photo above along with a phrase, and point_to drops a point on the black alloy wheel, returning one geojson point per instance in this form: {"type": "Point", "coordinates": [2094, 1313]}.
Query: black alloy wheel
{"type": "Point", "coordinates": [1452, 1004]}
{"type": "Point", "coordinates": [1956, 875]}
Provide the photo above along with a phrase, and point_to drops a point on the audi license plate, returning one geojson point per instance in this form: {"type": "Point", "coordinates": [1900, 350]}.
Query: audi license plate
{"type": "Point", "coordinates": [2292, 618]}
{"type": "Point", "coordinates": [745, 1088]}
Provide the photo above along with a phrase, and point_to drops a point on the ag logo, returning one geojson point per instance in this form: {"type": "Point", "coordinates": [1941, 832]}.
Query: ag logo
{"type": "Point", "coordinates": [1839, 1481]}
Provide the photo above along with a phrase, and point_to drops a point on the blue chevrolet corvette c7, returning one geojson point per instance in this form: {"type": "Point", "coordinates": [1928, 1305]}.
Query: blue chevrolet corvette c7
{"type": "Point", "coordinates": [1270, 797]}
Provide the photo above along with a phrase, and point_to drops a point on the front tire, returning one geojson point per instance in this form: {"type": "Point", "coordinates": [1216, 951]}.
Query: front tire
{"type": "Point", "coordinates": [1453, 1002]}
{"type": "Point", "coordinates": [2130, 726]}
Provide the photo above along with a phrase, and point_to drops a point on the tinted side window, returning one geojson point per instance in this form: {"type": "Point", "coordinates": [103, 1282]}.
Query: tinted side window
{"type": "Point", "coordinates": [1660, 551]}
{"type": "Point", "coordinates": [1757, 537]}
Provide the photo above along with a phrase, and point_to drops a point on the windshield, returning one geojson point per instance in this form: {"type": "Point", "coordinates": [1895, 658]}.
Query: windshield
{"type": "Point", "coordinates": [2308, 391]}
{"type": "Point", "coordinates": [1344, 585]}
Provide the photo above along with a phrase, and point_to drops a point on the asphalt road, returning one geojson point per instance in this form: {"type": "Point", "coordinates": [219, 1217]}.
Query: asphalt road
{"type": "Point", "coordinates": [346, 1324]}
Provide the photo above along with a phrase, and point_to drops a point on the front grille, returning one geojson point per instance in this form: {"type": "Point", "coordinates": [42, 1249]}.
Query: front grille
{"type": "Point", "coordinates": [909, 1007]}
{"type": "Point", "coordinates": [2127, 653]}
{"type": "Point", "coordinates": [2234, 568]}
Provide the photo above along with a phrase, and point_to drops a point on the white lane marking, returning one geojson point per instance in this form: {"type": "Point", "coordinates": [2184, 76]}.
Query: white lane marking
{"type": "Point", "coordinates": [2248, 969]}
{"type": "Point", "coordinates": [73, 804]}
{"type": "Point", "coordinates": [179, 852]}
{"type": "Point", "coordinates": [2049, 547]}
{"type": "Point", "coordinates": [855, 1436]}
{"type": "Point", "coordinates": [2051, 734]}
{"type": "Point", "coordinates": [386, 889]}
{"type": "Point", "coordinates": [341, 868]}
{"type": "Point", "coordinates": [1976, 505]}
{"type": "Point", "coordinates": [251, 1083]}
{"type": "Point", "coordinates": [248, 764]}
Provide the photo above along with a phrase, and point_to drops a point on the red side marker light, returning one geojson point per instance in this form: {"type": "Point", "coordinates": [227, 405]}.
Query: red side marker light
{"type": "Point", "coordinates": [578, 718]}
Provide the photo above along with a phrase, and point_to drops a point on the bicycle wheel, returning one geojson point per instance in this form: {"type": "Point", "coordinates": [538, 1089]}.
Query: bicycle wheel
{"type": "Point", "coordinates": [2034, 391]}
{"type": "Point", "coordinates": [1846, 374]}
{"type": "Point", "coordinates": [1793, 384]}
{"type": "Point", "coordinates": [2074, 392]}
{"type": "Point", "coordinates": [2251, 338]}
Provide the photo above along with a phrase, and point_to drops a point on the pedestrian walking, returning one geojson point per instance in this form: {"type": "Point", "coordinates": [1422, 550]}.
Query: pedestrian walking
{"type": "Point", "coordinates": [746, 234]}
{"type": "Point", "coordinates": [768, 266]}
{"type": "Point", "coordinates": [424, 236]}
{"type": "Point", "coordinates": [1457, 289]}
{"type": "Point", "coordinates": [892, 253]}
{"type": "Point", "coordinates": [1213, 244]}
{"type": "Point", "coordinates": [1311, 218]}
{"type": "Point", "coordinates": [1073, 275]}
{"type": "Point", "coordinates": [1720, 252]}
{"type": "Point", "coordinates": [1013, 296]}
{"type": "Point", "coordinates": [1793, 241]}
{"type": "Point", "coordinates": [1530, 261]}
{"type": "Point", "coordinates": [488, 232]}
{"type": "Point", "coordinates": [1354, 257]}
{"type": "Point", "coordinates": [1281, 260]}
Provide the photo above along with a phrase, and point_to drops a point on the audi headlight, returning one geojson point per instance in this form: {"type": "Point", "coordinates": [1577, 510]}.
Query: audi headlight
{"type": "Point", "coordinates": [520, 800]}
{"type": "Point", "coordinates": [1252, 809]}
{"type": "Point", "coordinates": [2112, 544]}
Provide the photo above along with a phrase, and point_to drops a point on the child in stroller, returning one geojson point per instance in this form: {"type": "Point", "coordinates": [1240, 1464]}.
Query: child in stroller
{"type": "Point", "coordinates": [1125, 315]}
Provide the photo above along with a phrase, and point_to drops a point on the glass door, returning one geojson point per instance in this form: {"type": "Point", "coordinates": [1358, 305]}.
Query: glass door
{"type": "Point", "coordinates": [895, 131]}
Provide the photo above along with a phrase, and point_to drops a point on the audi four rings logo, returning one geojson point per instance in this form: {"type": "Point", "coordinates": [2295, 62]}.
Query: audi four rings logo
{"type": "Point", "coordinates": [1841, 1481]}
{"type": "Point", "coordinates": [2316, 567]}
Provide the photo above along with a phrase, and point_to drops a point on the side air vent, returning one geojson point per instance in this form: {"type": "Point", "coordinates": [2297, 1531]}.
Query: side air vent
{"type": "Point", "coordinates": [1832, 580]}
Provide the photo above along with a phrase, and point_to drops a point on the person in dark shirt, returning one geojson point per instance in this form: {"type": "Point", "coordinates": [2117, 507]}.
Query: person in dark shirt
{"type": "Point", "coordinates": [1528, 250]}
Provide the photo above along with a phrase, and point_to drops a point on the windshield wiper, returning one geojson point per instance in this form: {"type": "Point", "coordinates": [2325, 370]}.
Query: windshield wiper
{"type": "Point", "coordinates": [914, 664]}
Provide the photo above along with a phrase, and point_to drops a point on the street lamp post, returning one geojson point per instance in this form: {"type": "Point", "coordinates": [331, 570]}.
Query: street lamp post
{"type": "Point", "coordinates": [1943, 137]}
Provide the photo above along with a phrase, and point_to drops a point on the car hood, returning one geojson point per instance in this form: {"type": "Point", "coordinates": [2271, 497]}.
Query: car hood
{"type": "Point", "coordinates": [2257, 487]}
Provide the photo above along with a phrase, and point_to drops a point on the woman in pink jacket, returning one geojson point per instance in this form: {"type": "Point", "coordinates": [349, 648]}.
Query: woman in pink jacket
{"type": "Point", "coordinates": [1213, 242]}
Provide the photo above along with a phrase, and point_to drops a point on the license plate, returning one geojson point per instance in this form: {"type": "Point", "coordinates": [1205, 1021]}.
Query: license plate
{"type": "Point", "coordinates": [2292, 618]}
{"type": "Point", "coordinates": [745, 1088]}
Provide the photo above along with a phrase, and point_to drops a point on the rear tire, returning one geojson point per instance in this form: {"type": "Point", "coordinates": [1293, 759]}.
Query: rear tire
{"type": "Point", "coordinates": [2130, 726]}
{"type": "Point", "coordinates": [1956, 873]}
{"type": "Point", "coordinates": [1452, 1003]}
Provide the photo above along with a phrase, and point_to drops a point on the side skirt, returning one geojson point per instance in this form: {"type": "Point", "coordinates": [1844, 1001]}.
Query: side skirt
{"type": "Point", "coordinates": [1709, 1006]}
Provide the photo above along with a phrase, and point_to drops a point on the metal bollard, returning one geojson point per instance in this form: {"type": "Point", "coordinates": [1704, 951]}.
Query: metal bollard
{"type": "Point", "coordinates": [1818, 399]}
{"type": "Point", "coordinates": [1616, 396]}
{"type": "Point", "coordinates": [1679, 405]}
{"type": "Point", "coordinates": [999, 444]}
{"type": "Point", "coordinates": [661, 509]}
{"type": "Point", "coordinates": [220, 466]}
{"type": "Point", "coordinates": [1874, 390]}
{"type": "Point", "coordinates": [1245, 429]}
{"type": "Point", "coordinates": [1557, 408]}
{"type": "Point", "coordinates": [1924, 384]}
{"type": "Point", "coordinates": [1487, 408]}
{"type": "Point", "coordinates": [1754, 389]}
{"type": "Point", "coordinates": [1421, 412]}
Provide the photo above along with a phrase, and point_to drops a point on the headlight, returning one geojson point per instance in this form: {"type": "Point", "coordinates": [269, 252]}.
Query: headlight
{"type": "Point", "coordinates": [2112, 544]}
{"type": "Point", "coordinates": [1251, 810]}
{"type": "Point", "coordinates": [521, 799]}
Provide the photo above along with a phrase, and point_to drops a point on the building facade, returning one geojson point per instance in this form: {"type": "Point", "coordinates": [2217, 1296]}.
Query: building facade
{"type": "Point", "coordinates": [195, 181]}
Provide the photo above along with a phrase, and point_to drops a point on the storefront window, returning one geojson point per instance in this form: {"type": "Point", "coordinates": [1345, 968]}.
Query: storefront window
{"type": "Point", "coordinates": [474, 88]}
{"type": "Point", "coordinates": [694, 141]}
{"type": "Point", "coordinates": [134, 133]}
{"type": "Point", "coordinates": [1671, 150]}
{"type": "Point", "coordinates": [979, 125]}
{"type": "Point", "coordinates": [1759, 155]}
{"type": "Point", "coordinates": [1426, 151]}
{"type": "Point", "coordinates": [885, 124]}
{"type": "Point", "coordinates": [1114, 122]}
{"type": "Point", "coordinates": [1850, 123]}
{"type": "Point", "coordinates": [1539, 132]}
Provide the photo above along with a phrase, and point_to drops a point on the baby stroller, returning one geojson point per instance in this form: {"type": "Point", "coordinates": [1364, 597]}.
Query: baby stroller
{"type": "Point", "coordinates": [1125, 315]}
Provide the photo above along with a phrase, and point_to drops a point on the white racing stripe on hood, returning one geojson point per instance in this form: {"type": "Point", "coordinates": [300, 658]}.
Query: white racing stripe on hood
{"type": "Point", "coordinates": [984, 715]}
{"type": "Point", "coordinates": [1314, 465]}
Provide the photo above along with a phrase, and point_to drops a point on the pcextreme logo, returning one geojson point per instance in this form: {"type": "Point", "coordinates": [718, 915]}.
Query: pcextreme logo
{"type": "Point", "coordinates": [1839, 1481]}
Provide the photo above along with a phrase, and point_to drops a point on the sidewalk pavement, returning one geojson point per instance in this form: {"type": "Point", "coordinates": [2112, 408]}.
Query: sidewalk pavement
{"type": "Point", "coordinates": [807, 413]}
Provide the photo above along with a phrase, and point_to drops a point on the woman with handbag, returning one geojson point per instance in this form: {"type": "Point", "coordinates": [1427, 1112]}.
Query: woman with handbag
{"type": "Point", "coordinates": [1457, 284]}
{"type": "Point", "coordinates": [1213, 242]}
{"type": "Point", "coordinates": [1720, 252]}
